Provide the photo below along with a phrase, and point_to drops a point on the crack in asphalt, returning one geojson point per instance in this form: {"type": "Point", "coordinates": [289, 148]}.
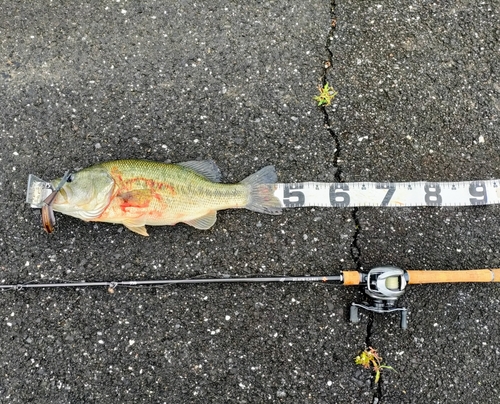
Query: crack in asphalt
{"type": "Point", "coordinates": [326, 117]}
{"type": "Point", "coordinates": [378, 393]}
{"type": "Point", "coordinates": [355, 249]}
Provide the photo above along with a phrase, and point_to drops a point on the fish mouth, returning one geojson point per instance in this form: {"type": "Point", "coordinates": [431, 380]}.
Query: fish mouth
{"type": "Point", "coordinates": [57, 197]}
{"type": "Point", "coordinates": [57, 186]}
{"type": "Point", "coordinates": [61, 197]}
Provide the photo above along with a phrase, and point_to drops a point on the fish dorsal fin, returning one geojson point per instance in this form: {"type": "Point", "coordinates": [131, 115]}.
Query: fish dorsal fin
{"type": "Point", "coordinates": [205, 168]}
{"type": "Point", "coordinates": [203, 222]}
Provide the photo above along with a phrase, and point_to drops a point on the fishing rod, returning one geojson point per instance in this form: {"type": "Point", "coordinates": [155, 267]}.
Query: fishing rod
{"type": "Point", "coordinates": [383, 285]}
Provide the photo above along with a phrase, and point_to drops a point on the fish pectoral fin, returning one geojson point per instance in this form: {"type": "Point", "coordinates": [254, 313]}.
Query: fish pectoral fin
{"type": "Point", "coordinates": [205, 168]}
{"type": "Point", "coordinates": [203, 222]}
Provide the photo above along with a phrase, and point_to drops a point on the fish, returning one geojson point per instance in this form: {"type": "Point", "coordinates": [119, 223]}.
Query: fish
{"type": "Point", "coordinates": [136, 193]}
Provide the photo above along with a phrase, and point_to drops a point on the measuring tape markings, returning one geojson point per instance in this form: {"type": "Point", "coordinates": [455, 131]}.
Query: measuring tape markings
{"type": "Point", "coordinates": [356, 194]}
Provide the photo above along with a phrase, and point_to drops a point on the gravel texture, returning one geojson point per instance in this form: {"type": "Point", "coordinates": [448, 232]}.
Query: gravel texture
{"type": "Point", "coordinates": [418, 99]}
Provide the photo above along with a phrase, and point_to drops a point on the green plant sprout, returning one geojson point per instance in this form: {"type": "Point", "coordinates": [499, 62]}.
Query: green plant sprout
{"type": "Point", "coordinates": [370, 359]}
{"type": "Point", "coordinates": [326, 95]}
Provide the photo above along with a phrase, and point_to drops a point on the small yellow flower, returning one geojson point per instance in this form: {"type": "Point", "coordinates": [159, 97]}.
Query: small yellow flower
{"type": "Point", "coordinates": [370, 359]}
{"type": "Point", "coordinates": [326, 95]}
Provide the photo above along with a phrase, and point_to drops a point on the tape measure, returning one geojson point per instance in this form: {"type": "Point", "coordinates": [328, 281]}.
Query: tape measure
{"type": "Point", "coordinates": [354, 194]}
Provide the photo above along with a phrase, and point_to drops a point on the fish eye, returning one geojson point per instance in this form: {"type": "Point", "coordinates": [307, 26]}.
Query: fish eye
{"type": "Point", "coordinates": [70, 178]}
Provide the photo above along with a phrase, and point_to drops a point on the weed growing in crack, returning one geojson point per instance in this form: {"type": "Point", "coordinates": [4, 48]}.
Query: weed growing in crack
{"type": "Point", "coordinates": [326, 95]}
{"type": "Point", "coordinates": [370, 359]}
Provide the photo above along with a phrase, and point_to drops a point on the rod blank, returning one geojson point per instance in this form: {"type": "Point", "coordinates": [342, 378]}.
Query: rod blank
{"type": "Point", "coordinates": [112, 285]}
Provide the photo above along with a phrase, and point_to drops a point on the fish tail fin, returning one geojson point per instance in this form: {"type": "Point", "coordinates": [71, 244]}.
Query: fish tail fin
{"type": "Point", "coordinates": [262, 186]}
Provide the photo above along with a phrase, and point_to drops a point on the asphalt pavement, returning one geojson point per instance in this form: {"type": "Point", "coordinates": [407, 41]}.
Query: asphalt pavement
{"type": "Point", "coordinates": [418, 99]}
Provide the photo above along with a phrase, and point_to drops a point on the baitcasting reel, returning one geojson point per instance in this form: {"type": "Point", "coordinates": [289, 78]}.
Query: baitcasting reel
{"type": "Point", "coordinates": [384, 285]}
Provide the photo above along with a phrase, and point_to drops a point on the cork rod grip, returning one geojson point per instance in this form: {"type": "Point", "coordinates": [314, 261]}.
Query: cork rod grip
{"type": "Point", "coordinates": [473, 275]}
{"type": "Point", "coordinates": [351, 277]}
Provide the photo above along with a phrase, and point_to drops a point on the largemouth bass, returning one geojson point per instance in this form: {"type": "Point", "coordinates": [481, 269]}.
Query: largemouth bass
{"type": "Point", "coordinates": [137, 193]}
